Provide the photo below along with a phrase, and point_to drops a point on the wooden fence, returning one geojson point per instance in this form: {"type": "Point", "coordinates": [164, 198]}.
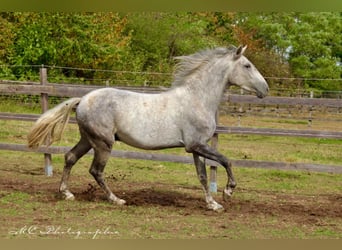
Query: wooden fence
{"type": "Point", "coordinates": [45, 89]}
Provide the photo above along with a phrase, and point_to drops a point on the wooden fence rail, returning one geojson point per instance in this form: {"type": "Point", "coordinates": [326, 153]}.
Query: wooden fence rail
{"type": "Point", "coordinates": [68, 90]}
{"type": "Point", "coordinates": [72, 90]}
{"type": "Point", "coordinates": [183, 159]}
{"type": "Point", "coordinates": [219, 129]}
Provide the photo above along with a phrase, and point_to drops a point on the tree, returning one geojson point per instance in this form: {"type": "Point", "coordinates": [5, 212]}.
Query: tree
{"type": "Point", "coordinates": [6, 38]}
{"type": "Point", "coordinates": [286, 44]}
{"type": "Point", "coordinates": [263, 49]}
{"type": "Point", "coordinates": [316, 48]}
{"type": "Point", "coordinates": [158, 37]}
{"type": "Point", "coordinates": [79, 40]}
{"type": "Point", "coordinates": [6, 41]}
{"type": "Point", "coordinates": [310, 43]}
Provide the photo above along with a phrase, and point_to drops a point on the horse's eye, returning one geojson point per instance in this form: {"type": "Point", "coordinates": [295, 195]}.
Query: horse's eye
{"type": "Point", "coordinates": [247, 66]}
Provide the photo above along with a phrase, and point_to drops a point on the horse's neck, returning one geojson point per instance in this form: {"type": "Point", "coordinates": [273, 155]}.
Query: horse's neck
{"type": "Point", "coordinates": [206, 88]}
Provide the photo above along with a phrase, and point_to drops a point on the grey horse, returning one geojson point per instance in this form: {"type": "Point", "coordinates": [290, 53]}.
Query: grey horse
{"type": "Point", "coordinates": [183, 116]}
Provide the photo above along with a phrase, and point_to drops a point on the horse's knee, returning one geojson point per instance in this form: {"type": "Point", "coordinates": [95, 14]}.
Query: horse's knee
{"type": "Point", "coordinates": [192, 147]}
{"type": "Point", "coordinates": [202, 177]}
{"type": "Point", "coordinates": [70, 159]}
{"type": "Point", "coordinates": [94, 172]}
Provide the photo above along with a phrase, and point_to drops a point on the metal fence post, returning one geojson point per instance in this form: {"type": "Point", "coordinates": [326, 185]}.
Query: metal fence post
{"type": "Point", "coordinates": [310, 110]}
{"type": "Point", "coordinates": [45, 107]}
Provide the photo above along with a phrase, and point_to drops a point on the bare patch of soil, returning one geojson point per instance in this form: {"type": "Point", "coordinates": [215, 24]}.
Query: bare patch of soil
{"type": "Point", "coordinates": [303, 209]}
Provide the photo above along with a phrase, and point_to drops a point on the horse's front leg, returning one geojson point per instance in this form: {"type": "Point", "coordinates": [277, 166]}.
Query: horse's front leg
{"type": "Point", "coordinates": [202, 176]}
{"type": "Point", "coordinates": [208, 152]}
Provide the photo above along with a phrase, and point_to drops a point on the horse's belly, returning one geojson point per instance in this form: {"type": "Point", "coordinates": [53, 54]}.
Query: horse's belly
{"type": "Point", "coordinates": [150, 139]}
{"type": "Point", "coordinates": [150, 144]}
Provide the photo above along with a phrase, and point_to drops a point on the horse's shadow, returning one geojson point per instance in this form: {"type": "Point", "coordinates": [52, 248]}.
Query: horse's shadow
{"type": "Point", "coordinates": [146, 197]}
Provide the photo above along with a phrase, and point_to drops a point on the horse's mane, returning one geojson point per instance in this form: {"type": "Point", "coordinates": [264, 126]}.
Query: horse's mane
{"type": "Point", "coordinates": [192, 63]}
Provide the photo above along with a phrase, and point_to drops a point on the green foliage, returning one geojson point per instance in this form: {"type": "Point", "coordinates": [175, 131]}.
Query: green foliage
{"type": "Point", "coordinates": [309, 42]}
{"type": "Point", "coordinates": [316, 48]}
{"type": "Point", "coordinates": [6, 38]}
{"type": "Point", "coordinates": [65, 39]}
{"type": "Point", "coordinates": [158, 37]}
{"type": "Point", "coordinates": [285, 44]}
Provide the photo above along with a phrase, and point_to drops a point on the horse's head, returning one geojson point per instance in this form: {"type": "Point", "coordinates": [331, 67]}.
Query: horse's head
{"type": "Point", "coordinates": [245, 75]}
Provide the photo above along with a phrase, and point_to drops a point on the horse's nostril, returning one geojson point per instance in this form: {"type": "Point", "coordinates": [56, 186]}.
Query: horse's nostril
{"type": "Point", "coordinates": [267, 88]}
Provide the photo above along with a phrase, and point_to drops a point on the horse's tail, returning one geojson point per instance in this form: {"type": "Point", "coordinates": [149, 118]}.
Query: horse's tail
{"type": "Point", "coordinates": [50, 126]}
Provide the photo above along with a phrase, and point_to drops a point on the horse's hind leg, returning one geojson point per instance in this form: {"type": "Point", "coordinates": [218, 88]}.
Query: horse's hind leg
{"type": "Point", "coordinates": [71, 157]}
{"type": "Point", "coordinates": [102, 154]}
{"type": "Point", "coordinates": [202, 176]}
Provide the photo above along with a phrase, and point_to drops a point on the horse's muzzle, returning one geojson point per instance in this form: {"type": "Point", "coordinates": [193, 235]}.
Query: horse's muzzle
{"type": "Point", "coordinates": [262, 94]}
{"type": "Point", "coordinates": [263, 91]}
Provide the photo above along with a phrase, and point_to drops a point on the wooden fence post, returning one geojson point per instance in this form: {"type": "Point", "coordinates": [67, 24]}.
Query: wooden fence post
{"type": "Point", "coordinates": [213, 169]}
{"type": "Point", "coordinates": [45, 107]}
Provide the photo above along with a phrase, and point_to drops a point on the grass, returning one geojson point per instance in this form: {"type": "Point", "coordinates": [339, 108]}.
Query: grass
{"type": "Point", "coordinates": [250, 147]}
{"type": "Point", "coordinates": [267, 203]}
{"type": "Point", "coordinates": [165, 200]}
{"type": "Point", "coordinates": [294, 182]}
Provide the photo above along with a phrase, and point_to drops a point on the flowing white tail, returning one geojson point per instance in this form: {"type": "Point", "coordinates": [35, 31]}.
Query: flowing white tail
{"type": "Point", "coordinates": [51, 125]}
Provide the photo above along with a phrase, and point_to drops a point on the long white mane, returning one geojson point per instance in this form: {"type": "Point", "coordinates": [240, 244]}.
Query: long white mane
{"type": "Point", "coordinates": [190, 64]}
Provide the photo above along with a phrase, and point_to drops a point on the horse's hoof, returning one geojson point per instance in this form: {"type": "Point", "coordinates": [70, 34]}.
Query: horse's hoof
{"type": "Point", "coordinates": [68, 196]}
{"type": "Point", "coordinates": [215, 207]}
{"type": "Point", "coordinates": [227, 193]}
{"type": "Point", "coordinates": [219, 209]}
{"type": "Point", "coordinates": [117, 201]}
{"type": "Point", "coordinates": [120, 202]}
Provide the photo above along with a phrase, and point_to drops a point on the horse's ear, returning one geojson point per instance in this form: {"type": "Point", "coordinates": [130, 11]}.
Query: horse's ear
{"type": "Point", "coordinates": [239, 52]}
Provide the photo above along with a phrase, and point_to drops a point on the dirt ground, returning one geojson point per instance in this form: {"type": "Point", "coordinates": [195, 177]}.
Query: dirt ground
{"type": "Point", "coordinates": [302, 209]}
